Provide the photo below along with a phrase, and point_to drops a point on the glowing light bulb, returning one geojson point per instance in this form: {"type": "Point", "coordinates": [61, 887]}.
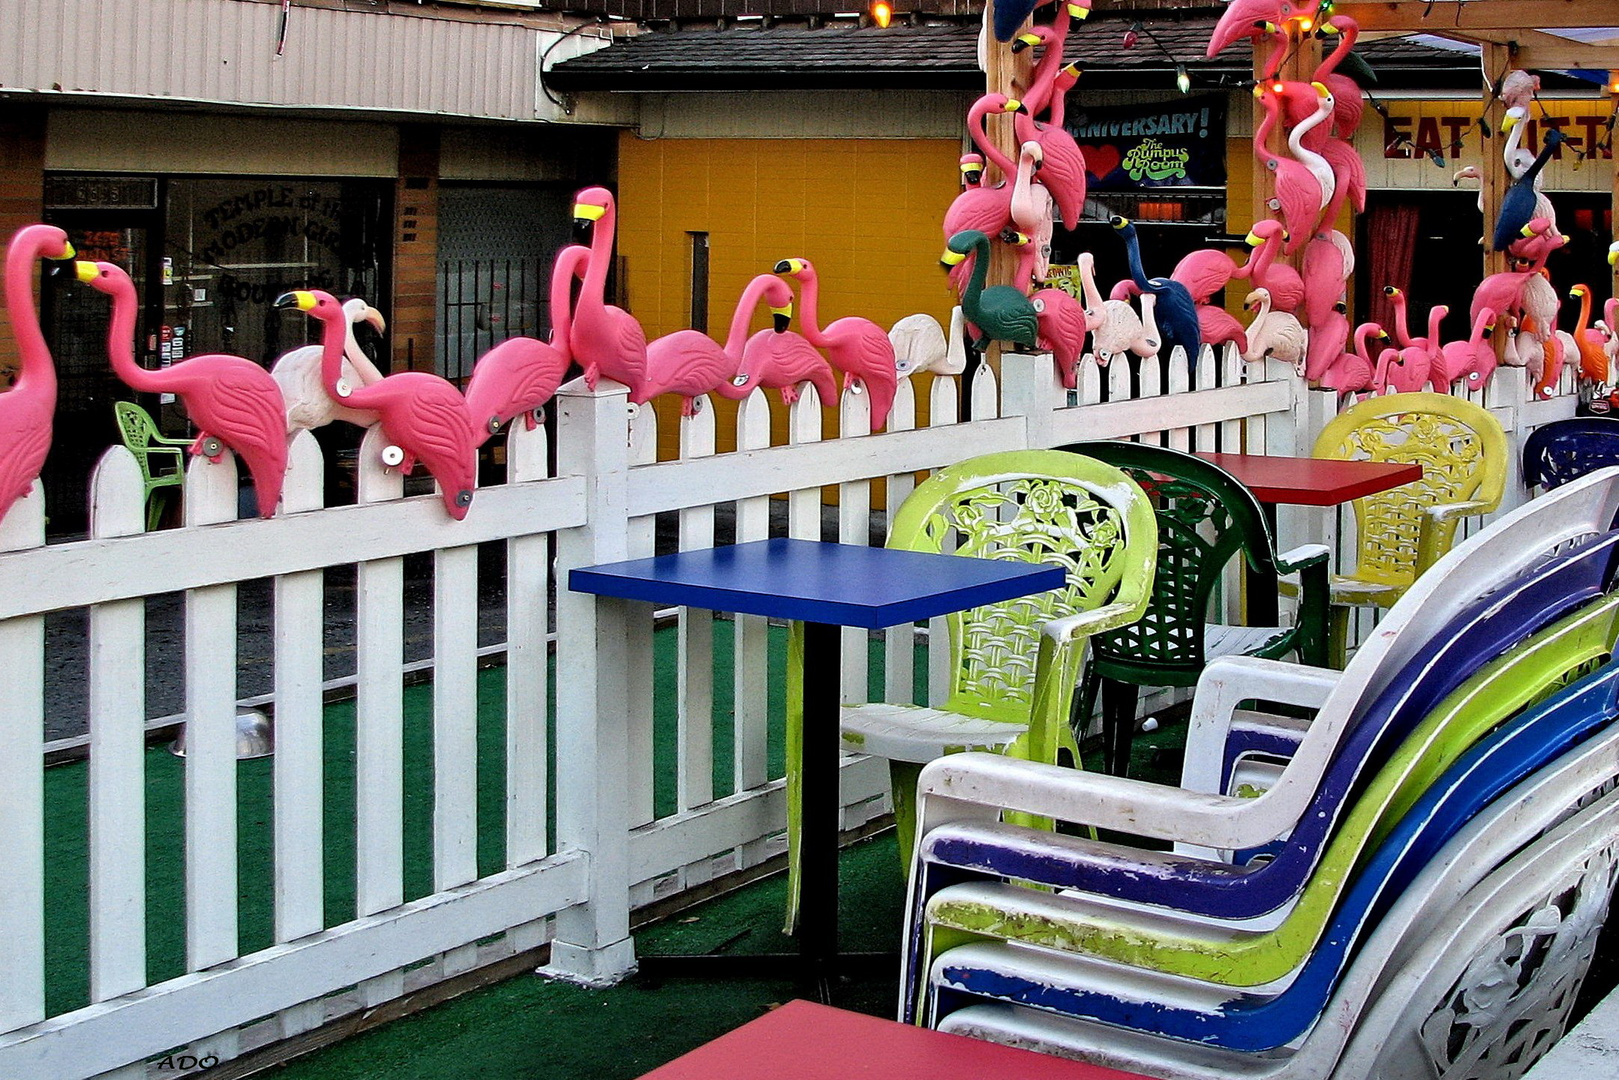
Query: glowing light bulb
{"type": "Point", "coordinates": [1183, 78]}
{"type": "Point", "coordinates": [882, 13]}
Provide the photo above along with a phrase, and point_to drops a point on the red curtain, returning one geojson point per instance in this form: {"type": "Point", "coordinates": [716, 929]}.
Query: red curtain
{"type": "Point", "coordinates": [1391, 237]}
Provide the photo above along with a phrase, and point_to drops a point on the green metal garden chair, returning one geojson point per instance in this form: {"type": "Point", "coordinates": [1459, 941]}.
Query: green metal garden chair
{"type": "Point", "coordinates": [161, 459]}
{"type": "Point", "coordinates": [1402, 531]}
{"type": "Point", "coordinates": [1014, 666]}
{"type": "Point", "coordinates": [1205, 519]}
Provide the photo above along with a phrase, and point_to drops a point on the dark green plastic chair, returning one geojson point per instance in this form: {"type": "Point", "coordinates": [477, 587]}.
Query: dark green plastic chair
{"type": "Point", "coordinates": [162, 459]}
{"type": "Point", "coordinates": [1205, 519]}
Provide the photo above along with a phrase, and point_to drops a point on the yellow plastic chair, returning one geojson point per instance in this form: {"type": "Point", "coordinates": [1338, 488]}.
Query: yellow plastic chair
{"type": "Point", "coordinates": [162, 459]}
{"type": "Point", "coordinates": [1403, 531]}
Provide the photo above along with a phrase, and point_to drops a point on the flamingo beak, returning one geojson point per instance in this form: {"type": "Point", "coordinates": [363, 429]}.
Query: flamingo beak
{"type": "Point", "coordinates": [1613, 254]}
{"type": "Point", "coordinates": [1253, 239]}
{"type": "Point", "coordinates": [1024, 41]}
{"type": "Point", "coordinates": [782, 317]}
{"type": "Point", "coordinates": [67, 253]}
{"type": "Point", "coordinates": [1119, 222]}
{"type": "Point", "coordinates": [949, 258]}
{"type": "Point", "coordinates": [374, 317]}
{"type": "Point", "coordinates": [1390, 290]}
{"type": "Point", "coordinates": [1013, 105]}
{"type": "Point", "coordinates": [86, 271]}
{"type": "Point", "coordinates": [1079, 11]}
{"type": "Point", "coordinates": [1074, 69]}
{"type": "Point", "coordinates": [788, 266]}
{"type": "Point", "coordinates": [301, 299]}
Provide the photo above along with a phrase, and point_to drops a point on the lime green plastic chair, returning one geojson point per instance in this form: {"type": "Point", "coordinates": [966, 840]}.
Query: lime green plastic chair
{"type": "Point", "coordinates": [162, 459]}
{"type": "Point", "coordinates": [1234, 956]}
{"type": "Point", "coordinates": [1403, 531]}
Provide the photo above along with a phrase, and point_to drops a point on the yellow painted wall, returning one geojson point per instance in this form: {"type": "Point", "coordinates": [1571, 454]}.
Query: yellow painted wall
{"type": "Point", "coordinates": [866, 212]}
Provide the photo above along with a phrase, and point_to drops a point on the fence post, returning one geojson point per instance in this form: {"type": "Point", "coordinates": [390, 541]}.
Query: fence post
{"type": "Point", "coordinates": [1511, 390]}
{"type": "Point", "coordinates": [1027, 391]}
{"type": "Point", "coordinates": [592, 945]}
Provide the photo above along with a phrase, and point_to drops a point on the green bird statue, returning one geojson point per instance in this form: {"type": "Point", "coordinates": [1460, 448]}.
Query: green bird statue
{"type": "Point", "coordinates": [1000, 312]}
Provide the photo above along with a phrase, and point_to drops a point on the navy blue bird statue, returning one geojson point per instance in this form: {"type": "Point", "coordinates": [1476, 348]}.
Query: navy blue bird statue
{"type": "Point", "coordinates": [1010, 15]}
{"type": "Point", "coordinates": [1176, 313]}
{"type": "Point", "coordinates": [1518, 204]}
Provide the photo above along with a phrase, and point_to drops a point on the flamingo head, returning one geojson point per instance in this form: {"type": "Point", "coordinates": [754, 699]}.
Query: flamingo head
{"type": "Point", "coordinates": [999, 103]}
{"type": "Point", "coordinates": [1244, 18]}
{"type": "Point", "coordinates": [1514, 116]}
{"type": "Point", "coordinates": [1253, 300]}
{"type": "Point", "coordinates": [1066, 78]}
{"type": "Point", "coordinates": [1122, 224]}
{"type": "Point", "coordinates": [101, 276]}
{"type": "Point", "coordinates": [959, 247]}
{"type": "Point", "coordinates": [795, 268]}
{"type": "Point", "coordinates": [1613, 253]}
{"type": "Point", "coordinates": [1326, 100]}
{"type": "Point", "coordinates": [590, 206]}
{"type": "Point", "coordinates": [1079, 10]}
{"type": "Point", "coordinates": [1032, 152]}
{"type": "Point", "coordinates": [1577, 291]}
{"type": "Point", "coordinates": [358, 311]}
{"type": "Point", "coordinates": [1466, 172]}
{"type": "Point", "coordinates": [972, 169]}
{"type": "Point", "coordinates": [1391, 291]}
{"type": "Point", "coordinates": [313, 302]}
{"type": "Point", "coordinates": [1269, 229]}
{"type": "Point", "coordinates": [1014, 238]}
{"type": "Point", "coordinates": [782, 317]}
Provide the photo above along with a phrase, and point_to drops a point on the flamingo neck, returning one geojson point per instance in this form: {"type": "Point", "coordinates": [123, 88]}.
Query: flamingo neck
{"type": "Point", "coordinates": [1485, 315]}
{"type": "Point", "coordinates": [332, 331]}
{"type": "Point", "coordinates": [991, 152]}
{"type": "Point", "coordinates": [1043, 83]}
{"type": "Point", "coordinates": [1266, 126]}
{"type": "Point", "coordinates": [21, 258]}
{"type": "Point", "coordinates": [563, 271]}
{"type": "Point", "coordinates": [1349, 30]}
{"type": "Point", "coordinates": [1132, 251]}
{"type": "Point", "coordinates": [1402, 331]}
{"type": "Point", "coordinates": [1585, 314]}
{"type": "Point", "coordinates": [738, 336]}
{"type": "Point", "coordinates": [974, 292]}
{"type": "Point", "coordinates": [1278, 53]}
{"type": "Point", "coordinates": [1436, 316]}
{"type": "Point", "coordinates": [1529, 177]}
{"type": "Point", "coordinates": [1022, 187]}
{"type": "Point", "coordinates": [593, 296]}
{"type": "Point", "coordinates": [121, 340]}
{"type": "Point", "coordinates": [1363, 332]}
{"type": "Point", "coordinates": [1087, 284]}
{"type": "Point", "coordinates": [809, 294]}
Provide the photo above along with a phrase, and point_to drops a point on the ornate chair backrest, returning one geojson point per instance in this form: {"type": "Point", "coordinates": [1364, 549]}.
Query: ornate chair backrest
{"type": "Point", "coordinates": [1030, 506]}
{"type": "Point", "coordinates": [1566, 450]}
{"type": "Point", "coordinates": [1205, 517]}
{"type": "Point", "coordinates": [1462, 451]}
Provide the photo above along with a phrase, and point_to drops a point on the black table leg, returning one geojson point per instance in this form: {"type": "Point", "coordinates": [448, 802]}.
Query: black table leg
{"type": "Point", "coordinates": [1263, 608]}
{"type": "Point", "coordinates": [818, 822]}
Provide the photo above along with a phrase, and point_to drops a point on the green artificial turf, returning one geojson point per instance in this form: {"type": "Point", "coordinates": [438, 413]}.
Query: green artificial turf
{"type": "Point", "coordinates": [525, 1027]}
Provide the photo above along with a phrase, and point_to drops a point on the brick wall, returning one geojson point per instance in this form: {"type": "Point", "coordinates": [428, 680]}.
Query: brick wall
{"type": "Point", "coordinates": [22, 172]}
{"type": "Point", "coordinates": [411, 321]}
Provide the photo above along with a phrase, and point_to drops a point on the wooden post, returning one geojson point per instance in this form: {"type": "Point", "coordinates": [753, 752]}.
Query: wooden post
{"type": "Point", "coordinates": [1494, 181]}
{"type": "Point", "coordinates": [1004, 73]}
{"type": "Point", "coordinates": [1302, 58]}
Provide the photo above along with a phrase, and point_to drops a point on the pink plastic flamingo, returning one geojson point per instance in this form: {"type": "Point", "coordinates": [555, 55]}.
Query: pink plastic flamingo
{"type": "Point", "coordinates": [1115, 326]}
{"type": "Point", "coordinates": [1326, 343]}
{"type": "Point", "coordinates": [518, 376]}
{"type": "Point", "coordinates": [1043, 89]}
{"type": "Point", "coordinates": [1062, 168]}
{"type": "Point", "coordinates": [1402, 332]}
{"type": "Point", "coordinates": [1286, 287]}
{"type": "Point", "coordinates": [297, 372]}
{"type": "Point", "coordinates": [1354, 372]}
{"type": "Point", "coordinates": [28, 408]}
{"type": "Point", "coordinates": [1472, 359]}
{"type": "Point", "coordinates": [605, 339]}
{"type": "Point", "coordinates": [1298, 193]}
{"type": "Point", "coordinates": [230, 399]}
{"type": "Point", "coordinates": [857, 347]}
{"type": "Point", "coordinates": [1347, 104]}
{"type": "Point", "coordinates": [1064, 82]}
{"type": "Point", "coordinates": [423, 416]}
{"type": "Point", "coordinates": [982, 207]}
{"type": "Point", "coordinates": [778, 358]}
{"type": "Point", "coordinates": [1063, 326]}
{"type": "Point", "coordinates": [1403, 370]}
{"type": "Point", "coordinates": [1246, 18]}
{"type": "Point", "coordinates": [1031, 213]}
{"type": "Point", "coordinates": [1205, 272]}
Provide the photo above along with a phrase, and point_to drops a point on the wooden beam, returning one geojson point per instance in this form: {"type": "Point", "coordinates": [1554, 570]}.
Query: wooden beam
{"type": "Point", "coordinates": [1536, 49]}
{"type": "Point", "coordinates": [1443, 15]}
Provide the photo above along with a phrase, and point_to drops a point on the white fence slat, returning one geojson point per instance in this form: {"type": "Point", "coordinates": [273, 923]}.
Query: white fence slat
{"type": "Point", "coordinates": [694, 778]}
{"type": "Point", "coordinates": [379, 603]}
{"type": "Point", "coordinates": [1232, 370]}
{"type": "Point", "coordinates": [751, 632]}
{"type": "Point", "coordinates": [22, 792]}
{"type": "Point", "coordinates": [1208, 372]}
{"type": "Point", "coordinates": [899, 642]}
{"type": "Point", "coordinates": [1180, 438]}
{"type": "Point", "coordinates": [854, 527]}
{"type": "Point", "coordinates": [210, 734]}
{"type": "Point", "coordinates": [299, 715]}
{"type": "Point", "coordinates": [638, 717]}
{"type": "Point", "coordinates": [455, 717]}
{"type": "Point", "coordinates": [804, 503]}
{"type": "Point", "coordinates": [528, 576]}
{"type": "Point", "coordinates": [117, 783]}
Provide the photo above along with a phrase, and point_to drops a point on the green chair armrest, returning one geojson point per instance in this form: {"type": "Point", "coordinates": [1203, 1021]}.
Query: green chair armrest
{"type": "Point", "coordinates": [1291, 562]}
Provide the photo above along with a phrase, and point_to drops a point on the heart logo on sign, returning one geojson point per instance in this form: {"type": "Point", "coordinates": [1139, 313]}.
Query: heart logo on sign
{"type": "Point", "coordinates": [1100, 160]}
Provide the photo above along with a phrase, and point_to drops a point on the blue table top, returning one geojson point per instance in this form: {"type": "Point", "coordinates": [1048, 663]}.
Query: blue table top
{"type": "Point", "coordinates": [812, 581]}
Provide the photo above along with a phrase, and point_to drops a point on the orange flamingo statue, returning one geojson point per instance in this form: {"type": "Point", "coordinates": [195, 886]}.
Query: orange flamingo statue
{"type": "Point", "coordinates": [857, 347]}
{"type": "Point", "coordinates": [606, 340]}
{"type": "Point", "coordinates": [423, 416]}
{"type": "Point", "coordinates": [518, 376]}
{"type": "Point", "coordinates": [1593, 360]}
{"type": "Point", "coordinates": [233, 402]}
{"type": "Point", "coordinates": [29, 407]}
{"type": "Point", "coordinates": [778, 358]}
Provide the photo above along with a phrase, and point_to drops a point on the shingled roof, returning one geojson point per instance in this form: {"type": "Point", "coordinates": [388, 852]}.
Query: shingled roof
{"type": "Point", "coordinates": [841, 55]}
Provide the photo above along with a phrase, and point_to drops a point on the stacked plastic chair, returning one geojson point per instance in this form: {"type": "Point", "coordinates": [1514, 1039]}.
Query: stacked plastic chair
{"type": "Point", "coordinates": [1152, 960]}
{"type": "Point", "coordinates": [1565, 450]}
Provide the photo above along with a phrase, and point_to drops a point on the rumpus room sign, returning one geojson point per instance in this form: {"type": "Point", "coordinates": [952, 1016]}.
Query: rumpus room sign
{"type": "Point", "coordinates": [1173, 144]}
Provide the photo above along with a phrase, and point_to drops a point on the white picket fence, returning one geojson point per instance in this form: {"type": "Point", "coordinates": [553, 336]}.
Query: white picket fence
{"type": "Point", "coordinates": [610, 851]}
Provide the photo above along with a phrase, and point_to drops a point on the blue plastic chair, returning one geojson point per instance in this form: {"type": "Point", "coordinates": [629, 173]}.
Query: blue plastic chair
{"type": "Point", "coordinates": [1566, 450]}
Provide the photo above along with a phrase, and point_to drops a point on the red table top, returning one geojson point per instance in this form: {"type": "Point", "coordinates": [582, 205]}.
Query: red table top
{"type": "Point", "coordinates": [805, 1041]}
{"type": "Point", "coordinates": [1313, 481]}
